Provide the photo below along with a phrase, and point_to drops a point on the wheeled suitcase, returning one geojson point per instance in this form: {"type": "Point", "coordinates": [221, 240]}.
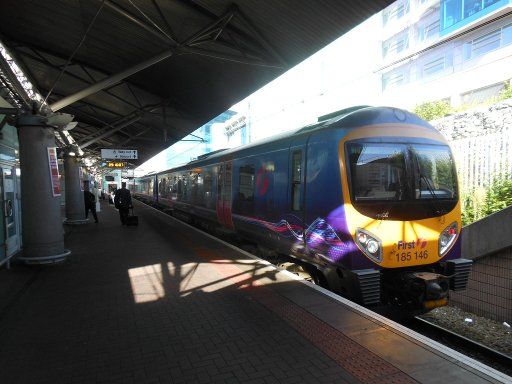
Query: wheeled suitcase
{"type": "Point", "coordinates": [132, 220]}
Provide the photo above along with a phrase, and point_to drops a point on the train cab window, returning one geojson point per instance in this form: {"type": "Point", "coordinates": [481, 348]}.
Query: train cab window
{"type": "Point", "coordinates": [378, 171]}
{"type": "Point", "coordinates": [246, 183]}
{"type": "Point", "coordinates": [296, 180]}
{"type": "Point", "coordinates": [435, 172]}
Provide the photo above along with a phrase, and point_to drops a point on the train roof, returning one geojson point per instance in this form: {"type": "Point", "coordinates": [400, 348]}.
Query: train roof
{"type": "Point", "coordinates": [346, 115]}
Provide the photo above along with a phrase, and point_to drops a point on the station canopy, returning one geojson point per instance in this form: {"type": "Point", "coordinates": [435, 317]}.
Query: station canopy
{"type": "Point", "coordinates": [142, 74]}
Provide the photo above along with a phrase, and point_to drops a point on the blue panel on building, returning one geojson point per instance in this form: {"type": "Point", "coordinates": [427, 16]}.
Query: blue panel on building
{"type": "Point", "coordinates": [456, 14]}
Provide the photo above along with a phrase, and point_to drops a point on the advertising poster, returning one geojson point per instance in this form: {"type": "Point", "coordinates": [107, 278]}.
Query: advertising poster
{"type": "Point", "coordinates": [54, 171]}
{"type": "Point", "coordinates": [81, 178]}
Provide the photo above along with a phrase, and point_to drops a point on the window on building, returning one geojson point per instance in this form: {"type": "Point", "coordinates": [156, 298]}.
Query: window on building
{"type": "Point", "coordinates": [390, 80]}
{"type": "Point", "coordinates": [395, 45]}
{"type": "Point", "coordinates": [488, 42]}
{"type": "Point", "coordinates": [454, 11]}
{"type": "Point", "coordinates": [429, 31]}
{"type": "Point", "coordinates": [434, 66]}
{"type": "Point", "coordinates": [395, 12]}
{"type": "Point", "coordinates": [246, 192]}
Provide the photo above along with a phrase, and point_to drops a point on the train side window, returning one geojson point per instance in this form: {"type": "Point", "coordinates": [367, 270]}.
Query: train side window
{"type": "Point", "coordinates": [207, 187]}
{"type": "Point", "coordinates": [246, 192]}
{"type": "Point", "coordinates": [296, 180]}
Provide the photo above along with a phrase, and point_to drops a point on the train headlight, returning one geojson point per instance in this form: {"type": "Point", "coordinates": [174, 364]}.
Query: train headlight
{"type": "Point", "coordinates": [369, 244]}
{"type": "Point", "coordinates": [447, 238]}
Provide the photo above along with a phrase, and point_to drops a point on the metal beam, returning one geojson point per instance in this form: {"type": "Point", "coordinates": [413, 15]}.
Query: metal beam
{"type": "Point", "coordinates": [134, 19]}
{"type": "Point", "coordinates": [219, 24]}
{"type": "Point", "coordinates": [44, 61]}
{"type": "Point", "coordinates": [111, 80]}
{"type": "Point", "coordinates": [111, 132]}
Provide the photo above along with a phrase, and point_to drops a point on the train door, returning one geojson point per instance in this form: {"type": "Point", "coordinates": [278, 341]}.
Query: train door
{"type": "Point", "coordinates": [224, 195]}
{"type": "Point", "coordinates": [10, 208]}
{"type": "Point", "coordinates": [297, 186]}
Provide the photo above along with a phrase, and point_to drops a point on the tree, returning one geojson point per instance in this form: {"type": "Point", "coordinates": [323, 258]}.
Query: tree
{"type": "Point", "coordinates": [432, 109]}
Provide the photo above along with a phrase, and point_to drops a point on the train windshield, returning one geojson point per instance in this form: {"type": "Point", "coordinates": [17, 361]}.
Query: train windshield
{"type": "Point", "coordinates": [384, 177]}
{"type": "Point", "coordinates": [378, 171]}
{"type": "Point", "coordinates": [435, 173]}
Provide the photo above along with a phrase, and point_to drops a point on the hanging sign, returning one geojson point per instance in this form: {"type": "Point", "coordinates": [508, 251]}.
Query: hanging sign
{"type": "Point", "coordinates": [116, 164]}
{"type": "Point", "coordinates": [54, 171]}
{"type": "Point", "coordinates": [119, 154]}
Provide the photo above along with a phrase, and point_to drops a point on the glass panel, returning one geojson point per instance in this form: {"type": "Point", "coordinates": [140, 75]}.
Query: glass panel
{"type": "Point", "coordinates": [434, 66]}
{"type": "Point", "coordinates": [506, 35]}
{"type": "Point", "coordinates": [471, 7]}
{"type": "Point", "coordinates": [486, 43]}
{"type": "Point", "coordinates": [435, 172]}
{"type": "Point", "coordinates": [488, 3]}
{"type": "Point", "coordinates": [163, 187]}
{"type": "Point", "coordinates": [377, 171]}
{"type": "Point", "coordinates": [207, 188]}
{"type": "Point", "coordinates": [452, 12]}
{"type": "Point", "coordinates": [432, 30]}
{"type": "Point", "coordinates": [296, 180]}
{"type": "Point", "coordinates": [246, 192]}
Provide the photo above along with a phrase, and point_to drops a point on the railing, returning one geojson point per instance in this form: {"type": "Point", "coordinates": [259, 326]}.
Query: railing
{"type": "Point", "coordinates": [480, 159]}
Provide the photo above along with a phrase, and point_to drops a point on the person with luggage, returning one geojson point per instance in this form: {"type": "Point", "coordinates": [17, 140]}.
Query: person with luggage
{"type": "Point", "coordinates": [90, 202]}
{"type": "Point", "coordinates": [123, 202]}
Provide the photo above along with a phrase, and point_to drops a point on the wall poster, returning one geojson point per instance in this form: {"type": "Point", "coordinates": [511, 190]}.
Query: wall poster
{"type": "Point", "coordinates": [54, 171]}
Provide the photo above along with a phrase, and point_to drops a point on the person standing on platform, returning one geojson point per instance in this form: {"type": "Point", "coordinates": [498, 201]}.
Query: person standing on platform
{"type": "Point", "coordinates": [123, 202]}
{"type": "Point", "coordinates": [90, 202]}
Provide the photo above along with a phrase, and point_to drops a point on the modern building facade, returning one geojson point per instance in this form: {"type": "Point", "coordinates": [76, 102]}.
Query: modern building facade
{"type": "Point", "coordinates": [454, 50]}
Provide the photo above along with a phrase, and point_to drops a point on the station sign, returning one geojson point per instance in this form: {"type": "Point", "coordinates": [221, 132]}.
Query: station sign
{"type": "Point", "coordinates": [116, 164]}
{"type": "Point", "coordinates": [114, 154]}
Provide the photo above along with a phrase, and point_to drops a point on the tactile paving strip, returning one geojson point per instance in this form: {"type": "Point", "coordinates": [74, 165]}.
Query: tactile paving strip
{"type": "Point", "coordinates": [357, 360]}
{"type": "Point", "coordinates": [361, 363]}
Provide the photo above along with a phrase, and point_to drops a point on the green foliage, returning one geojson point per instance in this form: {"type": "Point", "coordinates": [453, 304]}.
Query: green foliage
{"type": "Point", "coordinates": [499, 195]}
{"type": "Point", "coordinates": [506, 93]}
{"type": "Point", "coordinates": [432, 110]}
{"type": "Point", "coordinates": [481, 202]}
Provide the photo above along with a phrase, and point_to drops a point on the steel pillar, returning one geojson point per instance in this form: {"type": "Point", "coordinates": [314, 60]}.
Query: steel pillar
{"type": "Point", "coordinates": [74, 195]}
{"type": "Point", "coordinates": [43, 235]}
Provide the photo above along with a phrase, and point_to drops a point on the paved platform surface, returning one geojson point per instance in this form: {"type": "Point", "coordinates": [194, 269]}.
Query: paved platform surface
{"type": "Point", "coordinates": [161, 303]}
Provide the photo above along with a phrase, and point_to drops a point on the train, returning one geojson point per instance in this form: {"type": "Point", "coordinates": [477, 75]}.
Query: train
{"type": "Point", "coordinates": [365, 200]}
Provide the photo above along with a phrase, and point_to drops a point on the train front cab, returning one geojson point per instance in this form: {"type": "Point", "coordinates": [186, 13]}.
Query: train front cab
{"type": "Point", "coordinates": [403, 212]}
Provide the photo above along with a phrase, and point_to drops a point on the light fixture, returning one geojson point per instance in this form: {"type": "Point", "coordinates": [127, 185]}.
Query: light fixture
{"type": "Point", "coordinates": [369, 244]}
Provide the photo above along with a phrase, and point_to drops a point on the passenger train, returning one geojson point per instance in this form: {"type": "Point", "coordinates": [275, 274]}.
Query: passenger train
{"type": "Point", "coordinates": [366, 200]}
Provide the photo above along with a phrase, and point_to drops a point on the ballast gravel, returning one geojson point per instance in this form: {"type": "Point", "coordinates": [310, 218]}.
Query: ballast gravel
{"type": "Point", "coordinates": [494, 334]}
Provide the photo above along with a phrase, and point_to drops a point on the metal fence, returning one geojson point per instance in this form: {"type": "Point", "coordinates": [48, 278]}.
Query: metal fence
{"type": "Point", "coordinates": [480, 159]}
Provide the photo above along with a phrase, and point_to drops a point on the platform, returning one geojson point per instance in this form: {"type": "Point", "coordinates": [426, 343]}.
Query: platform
{"type": "Point", "coordinates": [163, 303]}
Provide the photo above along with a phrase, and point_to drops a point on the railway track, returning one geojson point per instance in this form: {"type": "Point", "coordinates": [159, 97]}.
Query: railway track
{"type": "Point", "coordinates": [471, 348]}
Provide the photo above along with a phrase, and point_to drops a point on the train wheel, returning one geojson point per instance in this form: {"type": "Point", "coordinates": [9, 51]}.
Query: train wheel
{"type": "Point", "coordinates": [310, 274]}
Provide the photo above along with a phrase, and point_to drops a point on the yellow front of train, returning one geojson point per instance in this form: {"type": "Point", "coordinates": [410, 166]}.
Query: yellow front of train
{"type": "Point", "coordinates": [402, 209]}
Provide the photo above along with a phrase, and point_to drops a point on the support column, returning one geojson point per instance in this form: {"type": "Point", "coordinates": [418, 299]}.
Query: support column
{"type": "Point", "coordinates": [43, 234]}
{"type": "Point", "coordinates": [74, 195]}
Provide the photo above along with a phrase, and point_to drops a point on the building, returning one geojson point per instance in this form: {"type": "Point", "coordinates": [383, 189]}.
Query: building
{"type": "Point", "coordinates": [454, 50]}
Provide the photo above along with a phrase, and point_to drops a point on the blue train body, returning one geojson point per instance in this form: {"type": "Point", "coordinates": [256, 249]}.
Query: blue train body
{"type": "Point", "coordinates": [296, 194]}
